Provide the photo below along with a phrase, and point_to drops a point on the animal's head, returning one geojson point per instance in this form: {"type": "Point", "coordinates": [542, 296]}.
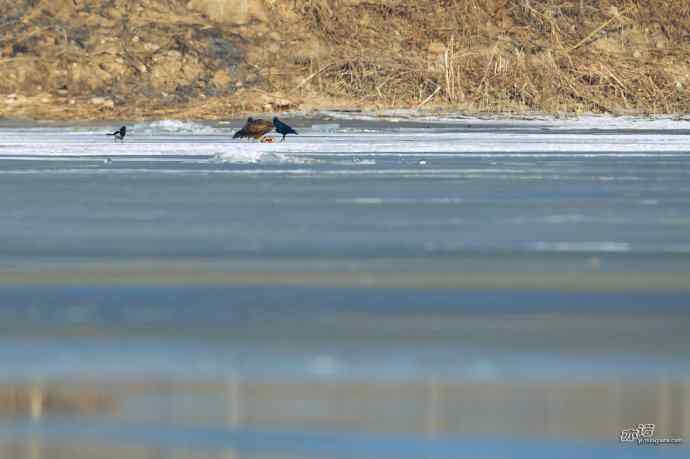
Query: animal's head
{"type": "Point", "coordinates": [250, 119]}
{"type": "Point", "coordinates": [275, 119]}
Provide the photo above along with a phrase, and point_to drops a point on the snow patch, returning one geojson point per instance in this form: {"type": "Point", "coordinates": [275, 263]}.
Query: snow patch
{"type": "Point", "coordinates": [175, 127]}
{"type": "Point", "coordinates": [257, 157]}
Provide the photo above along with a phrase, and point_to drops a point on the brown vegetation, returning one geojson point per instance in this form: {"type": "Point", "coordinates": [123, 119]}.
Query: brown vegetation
{"type": "Point", "coordinates": [494, 55]}
{"type": "Point", "coordinates": [210, 58]}
{"type": "Point", "coordinates": [123, 59]}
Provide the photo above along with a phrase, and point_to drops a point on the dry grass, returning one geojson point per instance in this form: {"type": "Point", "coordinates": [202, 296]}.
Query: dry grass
{"type": "Point", "coordinates": [157, 58]}
{"type": "Point", "coordinates": [618, 56]}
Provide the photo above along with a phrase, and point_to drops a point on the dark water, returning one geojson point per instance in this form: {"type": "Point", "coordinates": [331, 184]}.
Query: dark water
{"type": "Point", "coordinates": [371, 290]}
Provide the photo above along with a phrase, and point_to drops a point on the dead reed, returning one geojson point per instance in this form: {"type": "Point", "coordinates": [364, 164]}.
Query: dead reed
{"type": "Point", "coordinates": [616, 56]}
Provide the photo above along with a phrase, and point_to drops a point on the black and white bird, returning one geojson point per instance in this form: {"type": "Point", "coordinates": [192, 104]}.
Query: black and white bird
{"type": "Point", "coordinates": [119, 134]}
{"type": "Point", "coordinates": [282, 128]}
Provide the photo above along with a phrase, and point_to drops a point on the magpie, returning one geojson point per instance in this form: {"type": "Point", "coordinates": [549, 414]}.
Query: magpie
{"type": "Point", "coordinates": [119, 134]}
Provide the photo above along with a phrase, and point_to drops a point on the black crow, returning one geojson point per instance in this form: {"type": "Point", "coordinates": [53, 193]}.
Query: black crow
{"type": "Point", "coordinates": [283, 128]}
{"type": "Point", "coordinates": [256, 129]}
{"type": "Point", "coordinates": [119, 134]}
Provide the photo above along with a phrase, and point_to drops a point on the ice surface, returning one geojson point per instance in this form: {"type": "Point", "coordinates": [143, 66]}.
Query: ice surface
{"type": "Point", "coordinates": [443, 137]}
{"type": "Point", "coordinates": [392, 249]}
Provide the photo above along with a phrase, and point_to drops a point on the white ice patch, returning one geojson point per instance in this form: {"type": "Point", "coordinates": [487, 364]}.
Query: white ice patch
{"type": "Point", "coordinates": [590, 121]}
{"type": "Point", "coordinates": [333, 127]}
{"type": "Point", "coordinates": [174, 126]}
{"type": "Point", "coordinates": [257, 157]}
{"type": "Point", "coordinates": [495, 139]}
{"type": "Point", "coordinates": [324, 365]}
{"type": "Point", "coordinates": [603, 246]}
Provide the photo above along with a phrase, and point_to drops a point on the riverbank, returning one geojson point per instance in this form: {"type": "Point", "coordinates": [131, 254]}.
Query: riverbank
{"type": "Point", "coordinates": [64, 60]}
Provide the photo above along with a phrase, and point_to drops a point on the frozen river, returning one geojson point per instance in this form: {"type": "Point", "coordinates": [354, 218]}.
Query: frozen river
{"type": "Point", "coordinates": [376, 287]}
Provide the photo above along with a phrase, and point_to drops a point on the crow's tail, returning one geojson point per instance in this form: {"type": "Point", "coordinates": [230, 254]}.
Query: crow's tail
{"type": "Point", "coordinates": [240, 134]}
